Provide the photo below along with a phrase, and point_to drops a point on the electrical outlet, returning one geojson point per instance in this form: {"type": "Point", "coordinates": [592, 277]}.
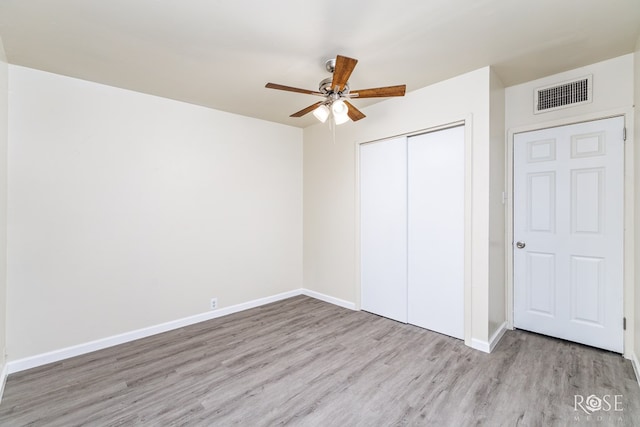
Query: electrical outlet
{"type": "Point", "coordinates": [214, 303]}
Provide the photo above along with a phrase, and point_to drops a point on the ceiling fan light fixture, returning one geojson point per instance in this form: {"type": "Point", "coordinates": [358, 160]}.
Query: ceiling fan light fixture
{"type": "Point", "coordinates": [322, 113]}
{"type": "Point", "coordinates": [336, 93]}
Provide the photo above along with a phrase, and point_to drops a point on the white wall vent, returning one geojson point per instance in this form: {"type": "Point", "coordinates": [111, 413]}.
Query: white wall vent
{"type": "Point", "coordinates": [563, 95]}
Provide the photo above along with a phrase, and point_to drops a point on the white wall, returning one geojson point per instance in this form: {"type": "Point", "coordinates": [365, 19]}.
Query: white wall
{"type": "Point", "coordinates": [128, 210]}
{"type": "Point", "coordinates": [613, 88]}
{"type": "Point", "coordinates": [4, 96]}
{"type": "Point", "coordinates": [330, 193]}
{"type": "Point", "coordinates": [636, 81]}
{"type": "Point", "coordinates": [497, 266]}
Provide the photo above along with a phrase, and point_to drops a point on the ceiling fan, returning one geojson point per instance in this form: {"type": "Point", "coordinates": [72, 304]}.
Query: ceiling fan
{"type": "Point", "coordinates": [336, 93]}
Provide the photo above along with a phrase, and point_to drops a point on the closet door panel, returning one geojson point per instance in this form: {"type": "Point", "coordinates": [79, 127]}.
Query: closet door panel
{"type": "Point", "coordinates": [383, 232]}
{"type": "Point", "coordinates": [436, 231]}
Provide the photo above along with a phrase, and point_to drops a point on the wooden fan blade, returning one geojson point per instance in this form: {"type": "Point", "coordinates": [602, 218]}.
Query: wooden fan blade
{"type": "Point", "coordinates": [342, 71]}
{"type": "Point", "coordinates": [354, 113]}
{"type": "Point", "coordinates": [379, 92]}
{"type": "Point", "coordinates": [304, 111]}
{"type": "Point", "coordinates": [291, 89]}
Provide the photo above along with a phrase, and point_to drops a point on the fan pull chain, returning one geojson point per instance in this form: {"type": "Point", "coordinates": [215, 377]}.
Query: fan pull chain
{"type": "Point", "coordinates": [333, 126]}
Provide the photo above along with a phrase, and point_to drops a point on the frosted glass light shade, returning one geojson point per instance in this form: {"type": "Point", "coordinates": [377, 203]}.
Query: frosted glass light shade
{"type": "Point", "coordinates": [340, 118]}
{"type": "Point", "coordinates": [321, 113]}
{"type": "Point", "coordinates": [339, 107]}
{"type": "Point", "coordinates": [340, 110]}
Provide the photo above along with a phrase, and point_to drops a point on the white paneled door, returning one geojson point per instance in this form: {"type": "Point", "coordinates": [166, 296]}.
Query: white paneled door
{"type": "Point", "coordinates": [568, 232]}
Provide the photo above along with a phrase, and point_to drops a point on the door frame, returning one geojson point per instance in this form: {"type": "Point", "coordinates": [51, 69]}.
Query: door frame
{"type": "Point", "coordinates": [628, 237]}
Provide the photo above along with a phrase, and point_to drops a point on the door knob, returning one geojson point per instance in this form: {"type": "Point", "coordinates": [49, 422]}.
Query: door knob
{"type": "Point", "coordinates": [520, 245]}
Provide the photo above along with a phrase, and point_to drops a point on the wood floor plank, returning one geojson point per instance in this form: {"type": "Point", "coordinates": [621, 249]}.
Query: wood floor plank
{"type": "Point", "coordinates": [305, 362]}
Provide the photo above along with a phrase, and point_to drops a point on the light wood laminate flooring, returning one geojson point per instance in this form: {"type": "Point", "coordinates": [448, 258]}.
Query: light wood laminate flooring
{"type": "Point", "coordinates": [304, 362]}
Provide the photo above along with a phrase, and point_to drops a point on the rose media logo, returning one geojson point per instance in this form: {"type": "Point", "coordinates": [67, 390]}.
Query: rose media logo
{"type": "Point", "coordinates": [593, 403]}
{"type": "Point", "coordinates": [597, 407]}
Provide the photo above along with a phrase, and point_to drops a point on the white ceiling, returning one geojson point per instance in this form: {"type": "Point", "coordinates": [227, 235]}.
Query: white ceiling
{"type": "Point", "coordinates": [221, 53]}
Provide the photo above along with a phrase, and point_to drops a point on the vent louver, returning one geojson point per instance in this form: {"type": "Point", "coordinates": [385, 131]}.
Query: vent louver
{"type": "Point", "coordinates": [567, 94]}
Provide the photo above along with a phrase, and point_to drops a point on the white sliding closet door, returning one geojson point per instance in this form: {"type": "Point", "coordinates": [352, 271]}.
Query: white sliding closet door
{"type": "Point", "coordinates": [436, 231]}
{"type": "Point", "coordinates": [412, 229]}
{"type": "Point", "coordinates": [383, 228]}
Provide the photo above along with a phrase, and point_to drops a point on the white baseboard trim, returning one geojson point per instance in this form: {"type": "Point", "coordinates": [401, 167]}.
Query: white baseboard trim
{"type": "Point", "coordinates": [488, 346]}
{"type": "Point", "coordinates": [77, 350]}
{"type": "Point", "coordinates": [329, 299]}
{"type": "Point", "coordinates": [3, 379]}
{"type": "Point", "coordinates": [480, 345]}
{"type": "Point", "coordinates": [497, 336]}
{"type": "Point", "coordinates": [636, 366]}
{"type": "Point", "coordinates": [80, 349]}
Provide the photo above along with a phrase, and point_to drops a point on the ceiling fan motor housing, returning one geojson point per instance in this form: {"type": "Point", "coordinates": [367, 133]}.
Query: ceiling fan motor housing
{"type": "Point", "coordinates": [325, 88]}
